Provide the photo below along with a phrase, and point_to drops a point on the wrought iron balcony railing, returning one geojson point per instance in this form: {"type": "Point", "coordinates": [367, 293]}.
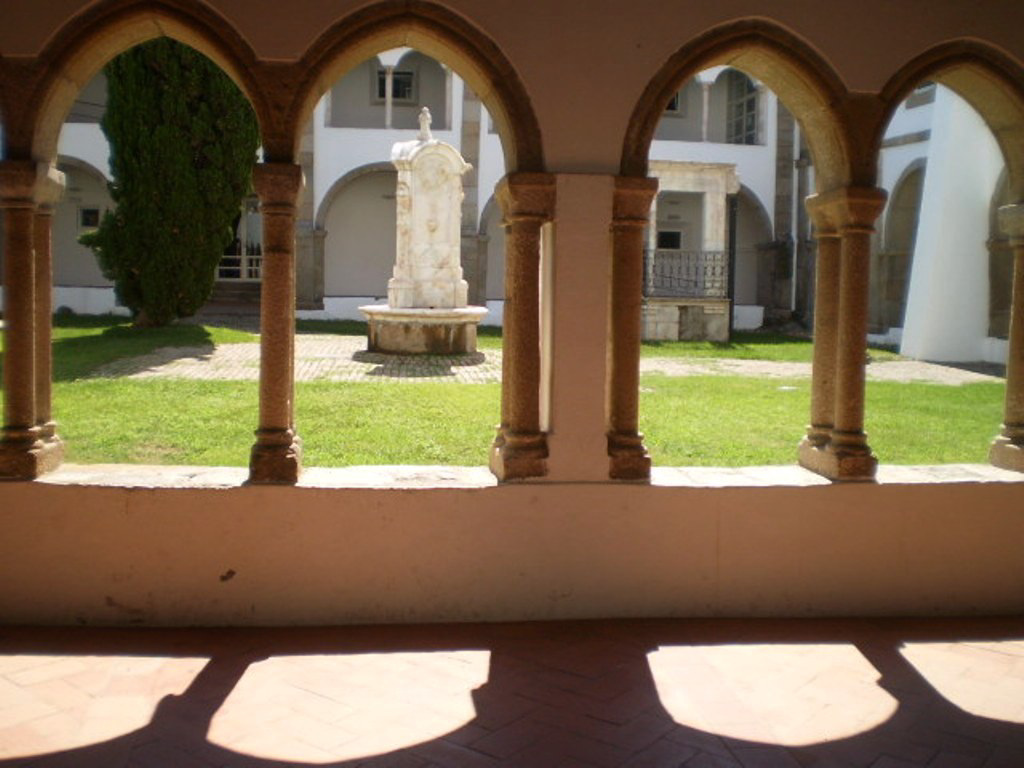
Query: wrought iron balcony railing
{"type": "Point", "coordinates": [686, 274]}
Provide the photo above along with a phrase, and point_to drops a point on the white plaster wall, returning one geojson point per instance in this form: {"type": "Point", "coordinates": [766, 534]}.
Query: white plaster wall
{"type": "Point", "coordinates": [495, 287]}
{"type": "Point", "coordinates": [122, 545]}
{"type": "Point", "coordinates": [85, 300]}
{"type": "Point", "coordinates": [755, 164]}
{"type": "Point", "coordinates": [337, 151]}
{"type": "Point", "coordinates": [746, 317]}
{"type": "Point", "coordinates": [947, 304]}
{"type": "Point", "coordinates": [359, 248]}
{"type": "Point", "coordinates": [73, 263]}
{"type": "Point", "coordinates": [911, 120]}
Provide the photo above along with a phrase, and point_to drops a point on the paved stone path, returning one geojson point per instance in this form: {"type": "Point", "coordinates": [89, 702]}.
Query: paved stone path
{"type": "Point", "coordinates": [344, 358]}
{"type": "Point", "coordinates": [648, 693]}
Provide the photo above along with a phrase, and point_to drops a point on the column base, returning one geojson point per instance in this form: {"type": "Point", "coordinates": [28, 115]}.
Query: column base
{"type": "Point", "coordinates": [842, 465]}
{"type": "Point", "coordinates": [1005, 453]}
{"type": "Point", "coordinates": [519, 456]}
{"type": "Point", "coordinates": [26, 457]}
{"type": "Point", "coordinates": [627, 457]}
{"type": "Point", "coordinates": [276, 457]}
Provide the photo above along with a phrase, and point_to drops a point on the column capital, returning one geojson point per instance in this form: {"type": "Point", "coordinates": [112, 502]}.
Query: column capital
{"type": "Point", "coordinates": [17, 184]}
{"type": "Point", "coordinates": [846, 208]}
{"type": "Point", "coordinates": [632, 199]}
{"type": "Point", "coordinates": [50, 184]}
{"type": "Point", "coordinates": [527, 196]}
{"type": "Point", "coordinates": [277, 184]}
{"type": "Point", "coordinates": [1011, 221]}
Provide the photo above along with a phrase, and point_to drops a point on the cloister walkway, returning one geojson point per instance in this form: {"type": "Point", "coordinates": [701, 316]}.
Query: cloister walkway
{"type": "Point", "coordinates": [695, 693]}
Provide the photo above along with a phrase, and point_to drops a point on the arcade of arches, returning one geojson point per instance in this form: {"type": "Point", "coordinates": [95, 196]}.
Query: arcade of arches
{"type": "Point", "coordinates": [577, 194]}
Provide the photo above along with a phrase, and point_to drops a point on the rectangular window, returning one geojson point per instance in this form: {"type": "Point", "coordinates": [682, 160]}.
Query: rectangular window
{"type": "Point", "coordinates": [670, 240]}
{"type": "Point", "coordinates": [88, 218]}
{"type": "Point", "coordinates": [741, 114]}
{"type": "Point", "coordinates": [402, 85]}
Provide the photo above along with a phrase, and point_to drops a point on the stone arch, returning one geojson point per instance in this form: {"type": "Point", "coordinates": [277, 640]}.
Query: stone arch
{"type": "Point", "coordinates": [893, 227]}
{"type": "Point", "coordinates": [987, 79]}
{"type": "Point", "coordinates": [892, 260]}
{"type": "Point", "coordinates": [772, 55]}
{"type": "Point", "coordinates": [83, 46]}
{"type": "Point", "coordinates": [440, 34]}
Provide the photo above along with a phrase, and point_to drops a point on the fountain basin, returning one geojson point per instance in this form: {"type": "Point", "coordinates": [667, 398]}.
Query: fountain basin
{"type": "Point", "coordinates": [422, 331]}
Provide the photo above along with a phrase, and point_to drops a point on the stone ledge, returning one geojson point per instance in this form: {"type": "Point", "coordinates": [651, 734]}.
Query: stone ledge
{"type": "Point", "coordinates": [410, 477]}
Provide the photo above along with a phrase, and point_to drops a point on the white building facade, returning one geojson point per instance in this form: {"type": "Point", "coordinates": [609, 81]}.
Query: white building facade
{"type": "Point", "coordinates": [727, 230]}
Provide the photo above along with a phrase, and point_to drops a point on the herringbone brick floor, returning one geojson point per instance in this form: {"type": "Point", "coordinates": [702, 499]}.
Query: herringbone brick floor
{"type": "Point", "coordinates": [750, 694]}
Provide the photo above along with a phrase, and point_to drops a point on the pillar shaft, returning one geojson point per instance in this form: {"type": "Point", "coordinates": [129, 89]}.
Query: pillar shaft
{"type": "Point", "coordinates": [836, 444]}
{"type": "Point", "coordinates": [19, 442]}
{"type": "Point", "coordinates": [1008, 448]}
{"type": "Point", "coordinates": [851, 341]}
{"type": "Point", "coordinates": [520, 449]}
{"type": "Point", "coordinates": [49, 189]}
{"type": "Point", "coordinates": [631, 208]}
{"type": "Point", "coordinates": [826, 317]}
{"type": "Point", "coordinates": [276, 456]}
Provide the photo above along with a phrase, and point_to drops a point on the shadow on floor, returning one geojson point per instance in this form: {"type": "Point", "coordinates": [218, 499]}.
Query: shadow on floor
{"type": "Point", "coordinates": [558, 694]}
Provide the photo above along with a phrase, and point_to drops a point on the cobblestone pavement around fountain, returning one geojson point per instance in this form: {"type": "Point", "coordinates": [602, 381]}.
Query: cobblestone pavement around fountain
{"type": "Point", "coordinates": [344, 358]}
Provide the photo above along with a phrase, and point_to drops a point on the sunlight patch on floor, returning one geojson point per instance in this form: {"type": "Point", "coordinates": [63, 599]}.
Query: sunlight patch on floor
{"type": "Point", "coordinates": [982, 678]}
{"type": "Point", "coordinates": [782, 694]}
{"type": "Point", "coordinates": [319, 709]}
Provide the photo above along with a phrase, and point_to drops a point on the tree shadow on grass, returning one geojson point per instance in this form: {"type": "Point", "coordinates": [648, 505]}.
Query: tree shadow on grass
{"type": "Point", "coordinates": [80, 357]}
{"type": "Point", "coordinates": [558, 694]}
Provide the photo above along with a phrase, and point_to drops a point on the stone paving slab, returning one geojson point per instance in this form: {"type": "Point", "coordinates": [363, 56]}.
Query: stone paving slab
{"type": "Point", "coordinates": [317, 358]}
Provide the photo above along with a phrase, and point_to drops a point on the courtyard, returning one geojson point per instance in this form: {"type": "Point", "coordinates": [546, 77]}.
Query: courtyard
{"type": "Point", "coordinates": [153, 396]}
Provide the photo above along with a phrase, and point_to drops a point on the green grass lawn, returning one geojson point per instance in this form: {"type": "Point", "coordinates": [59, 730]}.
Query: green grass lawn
{"type": "Point", "coordinates": [723, 421]}
{"type": "Point", "coordinates": [749, 345]}
{"type": "Point", "coordinates": [737, 421]}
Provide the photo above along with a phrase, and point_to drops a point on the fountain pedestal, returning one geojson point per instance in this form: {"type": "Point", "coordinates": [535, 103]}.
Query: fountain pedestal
{"type": "Point", "coordinates": [427, 311]}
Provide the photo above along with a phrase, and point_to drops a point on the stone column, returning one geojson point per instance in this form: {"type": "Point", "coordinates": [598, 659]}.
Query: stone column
{"type": "Point", "coordinates": [20, 446]}
{"type": "Point", "coordinates": [630, 210]}
{"type": "Point", "coordinates": [826, 318]}
{"type": "Point", "coordinates": [652, 245]}
{"type": "Point", "coordinates": [49, 189]}
{"type": "Point", "coordinates": [520, 449]}
{"type": "Point", "coordinates": [1008, 448]}
{"type": "Point", "coordinates": [276, 456]}
{"type": "Point", "coordinates": [389, 86]}
{"type": "Point", "coordinates": [846, 455]}
{"type": "Point", "coordinates": [705, 118]}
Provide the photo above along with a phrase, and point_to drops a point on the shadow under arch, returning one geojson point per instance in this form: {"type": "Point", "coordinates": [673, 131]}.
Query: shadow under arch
{"type": "Point", "coordinates": [440, 34]}
{"type": "Point", "coordinates": [343, 181]}
{"type": "Point", "coordinates": [785, 63]}
{"type": "Point", "coordinates": [565, 689]}
{"type": "Point", "coordinates": [87, 41]}
{"type": "Point", "coordinates": [984, 77]}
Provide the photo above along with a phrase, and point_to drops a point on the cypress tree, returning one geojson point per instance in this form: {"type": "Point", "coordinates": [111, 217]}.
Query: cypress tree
{"type": "Point", "coordinates": [183, 141]}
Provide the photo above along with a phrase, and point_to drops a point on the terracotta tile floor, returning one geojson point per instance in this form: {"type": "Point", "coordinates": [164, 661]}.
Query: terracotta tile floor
{"type": "Point", "coordinates": [879, 694]}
